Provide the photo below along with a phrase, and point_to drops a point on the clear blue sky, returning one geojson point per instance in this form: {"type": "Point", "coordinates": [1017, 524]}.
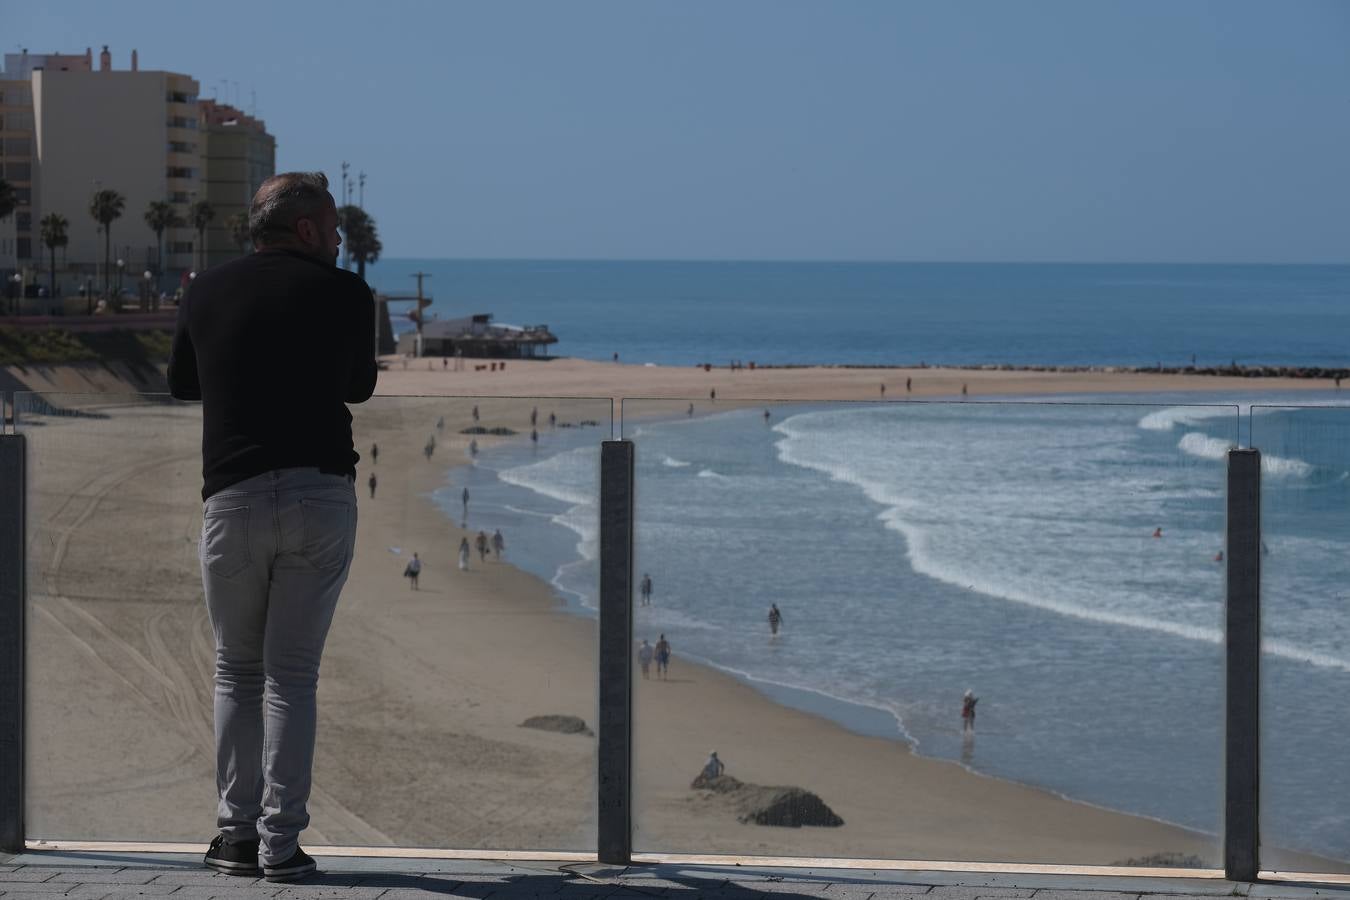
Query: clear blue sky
{"type": "Point", "coordinates": [1140, 130]}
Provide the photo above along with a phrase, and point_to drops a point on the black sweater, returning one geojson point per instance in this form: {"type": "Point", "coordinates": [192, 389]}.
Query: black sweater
{"type": "Point", "coordinates": [274, 344]}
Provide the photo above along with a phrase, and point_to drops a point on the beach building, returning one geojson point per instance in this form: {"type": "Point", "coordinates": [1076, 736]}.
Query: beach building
{"type": "Point", "coordinates": [238, 155]}
{"type": "Point", "coordinates": [476, 336]}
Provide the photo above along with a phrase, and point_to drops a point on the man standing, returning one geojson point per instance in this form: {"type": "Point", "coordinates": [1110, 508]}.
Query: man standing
{"type": "Point", "coordinates": [274, 344]}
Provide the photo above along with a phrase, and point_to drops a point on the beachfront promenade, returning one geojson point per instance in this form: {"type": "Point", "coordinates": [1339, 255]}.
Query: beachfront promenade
{"type": "Point", "coordinates": [425, 692]}
{"type": "Point", "coordinates": [105, 876]}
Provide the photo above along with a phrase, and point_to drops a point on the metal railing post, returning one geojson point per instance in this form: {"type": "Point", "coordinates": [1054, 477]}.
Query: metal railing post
{"type": "Point", "coordinates": [12, 596]}
{"type": "Point", "coordinates": [614, 841]}
{"type": "Point", "coordinates": [1242, 769]}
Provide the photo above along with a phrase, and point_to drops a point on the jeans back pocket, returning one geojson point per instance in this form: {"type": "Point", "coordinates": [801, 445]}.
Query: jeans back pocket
{"type": "Point", "coordinates": [327, 536]}
{"type": "Point", "coordinates": [225, 541]}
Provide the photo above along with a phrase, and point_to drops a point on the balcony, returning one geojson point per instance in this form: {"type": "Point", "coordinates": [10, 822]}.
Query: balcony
{"type": "Point", "coordinates": [1142, 598]}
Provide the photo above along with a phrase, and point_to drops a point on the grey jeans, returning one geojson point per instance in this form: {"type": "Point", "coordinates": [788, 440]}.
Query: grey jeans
{"type": "Point", "coordinates": [275, 552]}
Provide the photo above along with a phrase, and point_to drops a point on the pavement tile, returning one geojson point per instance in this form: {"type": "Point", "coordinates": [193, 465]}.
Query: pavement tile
{"type": "Point", "coordinates": [307, 891]}
{"type": "Point", "coordinates": [801, 888]}
{"type": "Point", "coordinates": [1053, 894]}
{"type": "Point", "coordinates": [24, 895]}
{"type": "Point", "coordinates": [881, 888]}
{"type": "Point", "coordinates": [91, 889]}
{"type": "Point", "coordinates": [246, 886]}
{"type": "Point", "coordinates": [28, 874]}
{"type": "Point", "coordinates": [970, 891]}
{"type": "Point", "coordinates": [106, 876]}
{"type": "Point", "coordinates": [1300, 890]}
{"type": "Point", "coordinates": [34, 887]}
{"type": "Point", "coordinates": [202, 876]}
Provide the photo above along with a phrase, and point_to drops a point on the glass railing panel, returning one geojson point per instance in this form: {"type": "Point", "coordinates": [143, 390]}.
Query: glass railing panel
{"type": "Point", "coordinates": [423, 692]}
{"type": "Point", "coordinates": [1305, 624]}
{"type": "Point", "coordinates": [915, 551]}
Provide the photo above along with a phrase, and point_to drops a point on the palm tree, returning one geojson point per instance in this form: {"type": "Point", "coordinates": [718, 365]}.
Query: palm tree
{"type": "Point", "coordinates": [361, 237]}
{"type": "Point", "coordinates": [201, 213]}
{"type": "Point", "coordinates": [106, 206]}
{"type": "Point", "coordinates": [160, 215]}
{"type": "Point", "coordinates": [9, 200]}
{"type": "Point", "coordinates": [237, 225]}
{"type": "Point", "coordinates": [54, 235]}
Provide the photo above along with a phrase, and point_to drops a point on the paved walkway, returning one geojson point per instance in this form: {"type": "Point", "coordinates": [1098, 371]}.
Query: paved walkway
{"type": "Point", "coordinates": [104, 876]}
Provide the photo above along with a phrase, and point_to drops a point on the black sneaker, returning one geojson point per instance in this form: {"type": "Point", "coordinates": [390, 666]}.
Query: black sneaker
{"type": "Point", "coordinates": [233, 859]}
{"type": "Point", "coordinates": [298, 866]}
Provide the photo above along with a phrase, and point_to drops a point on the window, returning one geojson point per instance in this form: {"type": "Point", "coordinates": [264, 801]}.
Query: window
{"type": "Point", "coordinates": [182, 97]}
{"type": "Point", "coordinates": [182, 122]}
{"type": "Point", "coordinates": [180, 247]}
{"type": "Point", "coordinates": [23, 221]}
{"type": "Point", "coordinates": [18, 171]}
{"type": "Point", "coordinates": [23, 196]}
{"type": "Point", "coordinates": [182, 147]}
{"type": "Point", "coordinates": [179, 197]}
{"type": "Point", "coordinates": [25, 248]}
{"type": "Point", "coordinates": [18, 147]}
{"type": "Point", "coordinates": [180, 172]}
{"type": "Point", "coordinates": [18, 121]}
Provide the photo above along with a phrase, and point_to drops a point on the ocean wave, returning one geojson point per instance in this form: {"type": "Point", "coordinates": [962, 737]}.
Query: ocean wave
{"type": "Point", "coordinates": [709, 473]}
{"type": "Point", "coordinates": [1280, 466]}
{"type": "Point", "coordinates": [674, 463]}
{"type": "Point", "coordinates": [1189, 416]}
{"type": "Point", "coordinates": [1203, 446]}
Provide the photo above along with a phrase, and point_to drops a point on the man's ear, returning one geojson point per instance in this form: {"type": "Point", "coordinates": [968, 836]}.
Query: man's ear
{"type": "Point", "coordinates": [305, 228]}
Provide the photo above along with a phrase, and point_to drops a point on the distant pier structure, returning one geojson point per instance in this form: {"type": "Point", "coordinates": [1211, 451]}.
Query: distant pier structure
{"type": "Point", "coordinates": [476, 337]}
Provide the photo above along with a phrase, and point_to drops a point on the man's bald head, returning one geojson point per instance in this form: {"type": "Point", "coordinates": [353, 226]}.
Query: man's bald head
{"type": "Point", "coordinates": [294, 209]}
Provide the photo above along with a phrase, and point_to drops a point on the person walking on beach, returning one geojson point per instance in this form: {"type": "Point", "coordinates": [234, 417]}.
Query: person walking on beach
{"type": "Point", "coordinates": [372, 481]}
{"type": "Point", "coordinates": [279, 513]}
{"type": "Point", "coordinates": [883, 390]}
{"type": "Point", "coordinates": [440, 423]}
{"type": "Point", "coordinates": [775, 619]}
{"type": "Point", "coordinates": [690, 413]}
{"type": "Point", "coordinates": [534, 417]}
{"type": "Point", "coordinates": [645, 588]}
{"type": "Point", "coordinates": [552, 420]}
{"type": "Point", "coordinates": [498, 543]}
{"type": "Point", "coordinates": [412, 570]}
{"type": "Point", "coordinates": [464, 554]}
{"type": "Point", "coordinates": [968, 701]}
{"type": "Point", "coordinates": [712, 395]}
{"type": "Point", "coordinates": [964, 392]}
{"type": "Point", "coordinates": [475, 412]}
{"type": "Point", "coordinates": [645, 653]}
{"type": "Point", "coordinates": [374, 454]}
{"type": "Point", "coordinates": [473, 447]}
{"type": "Point", "coordinates": [909, 385]}
{"type": "Point", "coordinates": [662, 657]}
{"type": "Point", "coordinates": [464, 500]}
{"type": "Point", "coordinates": [430, 447]}
{"type": "Point", "coordinates": [481, 542]}
{"type": "Point", "coordinates": [714, 767]}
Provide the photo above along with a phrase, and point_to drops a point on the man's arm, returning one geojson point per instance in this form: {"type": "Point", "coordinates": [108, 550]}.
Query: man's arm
{"type": "Point", "coordinates": [183, 381]}
{"type": "Point", "coordinates": [364, 370]}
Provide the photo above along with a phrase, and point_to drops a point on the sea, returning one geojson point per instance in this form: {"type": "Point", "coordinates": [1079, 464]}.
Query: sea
{"type": "Point", "coordinates": [1061, 560]}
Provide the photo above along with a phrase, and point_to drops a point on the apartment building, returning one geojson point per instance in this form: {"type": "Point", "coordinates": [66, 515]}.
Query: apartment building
{"type": "Point", "coordinates": [238, 155]}
{"type": "Point", "coordinates": [68, 129]}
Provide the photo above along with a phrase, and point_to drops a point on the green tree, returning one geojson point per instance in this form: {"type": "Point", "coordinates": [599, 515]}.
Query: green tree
{"type": "Point", "coordinates": [160, 215]}
{"type": "Point", "coordinates": [237, 225]}
{"type": "Point", "coordinates": [106, 207]}
{"type": "Point", "coordinates": [201, 213]}
{"type": "Point", "coordinates": [54, 235]}
{"type": "Point", "coordinates": [9, 200]}
{"type": "Point", "coordinates": [360, 236]}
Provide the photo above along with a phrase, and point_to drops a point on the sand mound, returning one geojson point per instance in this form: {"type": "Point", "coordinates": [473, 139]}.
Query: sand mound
{"type": "Point", "coordinates": [561, 724]}
{"type": "Point", "coordinates": [784, 806]}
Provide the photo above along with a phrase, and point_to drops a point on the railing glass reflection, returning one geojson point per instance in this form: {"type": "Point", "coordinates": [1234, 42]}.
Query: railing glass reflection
{"type": "Point", "coordinates": [1305, 623]}
{"type": "Point", "coordinates": [1061, 562]}
{"type": "Point", "coordinates": [423, 691]}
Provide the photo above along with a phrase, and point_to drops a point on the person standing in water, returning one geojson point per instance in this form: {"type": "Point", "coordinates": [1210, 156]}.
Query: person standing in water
{"type": "Point", "coordinates": [464, 554]}
{"type": "Point", "coordinates": [646, 589]}
{"type": "Point", "coordinates": [775, 619]}
{"type": "Point", "coordinates": [968, 701]}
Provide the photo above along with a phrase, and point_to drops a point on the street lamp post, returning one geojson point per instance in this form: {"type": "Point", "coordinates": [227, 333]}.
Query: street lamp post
{"type": "Point", "coordinates": [121, 267]}
{"type": "Point", "coordinates": [146, 277]}
{"type": "Point", "coordinates": [17, 280]}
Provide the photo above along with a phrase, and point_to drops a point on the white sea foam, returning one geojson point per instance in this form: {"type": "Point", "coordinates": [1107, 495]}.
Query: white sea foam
{"type": "Point", "coordinates": [1195, 443]}
{"type": "Point", "coordinates": [674, 463]}
{"type": "Point", "coordinates": [1187, 416]}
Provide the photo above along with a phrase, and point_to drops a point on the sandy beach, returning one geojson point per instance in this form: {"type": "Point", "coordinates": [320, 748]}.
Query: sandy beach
{"type": "Point", "coordinates": [423, 693]}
